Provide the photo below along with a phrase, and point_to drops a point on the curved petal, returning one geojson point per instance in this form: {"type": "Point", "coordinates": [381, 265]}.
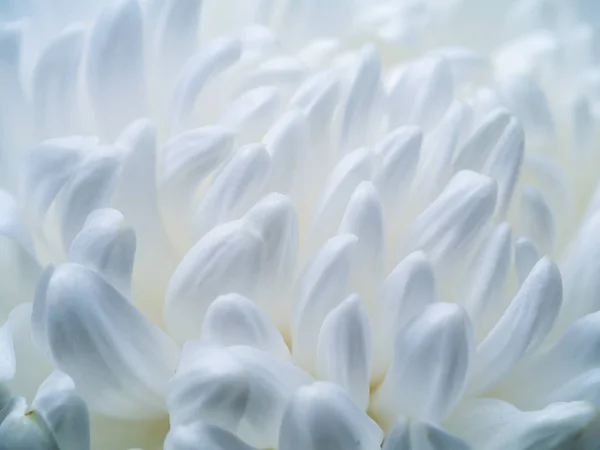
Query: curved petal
{"type": "Point", "coordinates": [200, 436]}
{"type": "Point", "coordinates": [523, 326]}
{"type": "Point", "coordinates": [119, 361]}
{"type": "Point", "coordinates": [429, 370]}
{"type": "Point", "coordinates": [64, 412]}
{"type": "Point", "coordinates": [322, 286]}
{"type": "Point", "coordinates": [526, 255]}
{"type": "Point", "coordinates": [344, 350]}
{"type": "Point", "coordinates": [229, 258]}
{"type": "Point", "coordinates": [235, 188]}
{"type": "Point", "coordinates": [115, 67]}
{"type": "Point", "coordinates": [322, 416]}
{"type": "Point", "coordinates": [21, 429]}
{"type": "Point", "coordinates": [234, 320]}
{"type": "Point", "coordinates": [196, 73]}
{"type": "Point", "coordinates": [415, 435]}
{"type": "Point", "coordinates": [107, 246]}
{"type": "Point", "coordinates": [56, 95]}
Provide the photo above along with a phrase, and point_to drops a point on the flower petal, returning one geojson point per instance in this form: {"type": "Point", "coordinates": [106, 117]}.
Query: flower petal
{"type": "Point", "coordinates": [176, 35]}
{"type": "Point", "coordinates": [227, 259]}
{"type": "Point", "coordinates": [526, 255]}
{"type": "Point", "coordinates": [364, 219]}
{"type": "Point", "coordinates": [406, 292]}
{"type": "Point", "coordinates": [428, 375]}
{"type": "Point", "coordinates": [415, 435]}
{"type": "Point", "coordinates": [399, 153]}
{"type": "Point", "coordinates": [362, 100]}
{"type": "Point", "coordinates": [537, 220]}
{"type": "Point", "coordinates": [201, 435]}
{"type": "Point", "coordinates": [322, 286]}
{"type": "Point", "coordinates": [188, 159]}
{"type": "Point", "coordinates": [7, 354]}
{"type": "Point", "coordinates": [287, 142]}
{"type": "Point", "coordinates": [354, 168]}
{"type": "Point", "coordinates": [422, 94]}
{"type": "Point", "coordinates": [478, 147]}
{"type": "Point", "coordinates": [523, 326]}
{"type": "Point", "coordinates": [20, 429]}
{"type": "Point", "coordinates": [322, 416]}
{"type": "Point", "coordinates": [64, 412]}
{"type": "Point", "coordinates": [55, 84]}
{"type": "Point", "coordinates": [90, 188]}
{"type": "Point", "coordinates": [119, 360]}
{"type": "Point", "coordinates": [115, 67]}
{"type": "Point", "coordinates": [234, 320]}
{"type": "Point", "coordinates": [252, 113]}
{"type": "Point", "coordinates": [107, 246]}
{"type": "Point", "coordinates": [235, 188]}
{"type": "Point", "coordinates": [212, 60]}
{"type": "Point", "coordinates": [344, 350]}
{"type": "Point", "coordinates": [486, 277]}
{"type": "Point", "coordinates": [505, 164]}
{"type": "Point", "coordinates": [240, 389]}
{"type": "Point", "coordinates": [275, 219]}
{"type": "Point", "coordinates": [454, 220]}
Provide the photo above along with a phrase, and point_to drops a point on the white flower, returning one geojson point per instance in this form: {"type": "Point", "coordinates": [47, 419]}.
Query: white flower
{"type": "Point", "coordinates": [299, 225]}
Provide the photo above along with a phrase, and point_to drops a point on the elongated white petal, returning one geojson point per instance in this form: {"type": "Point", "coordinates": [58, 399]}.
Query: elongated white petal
{"type": "Point", "coordinates": [47, 167]}
{"type": "Point", "coordinates": [505, 164]}
{"type": "Point", "coordinates": [354, 168]}
{"type": "Point", "coordinates": [188, 160]}
{"type": "Point", "coordinates": [136, 194]}
{"type": "Point", "coordinates": [454, 220]}
{"type": "Point", "coordinates": [322, 286]}
{"type": "Point", "coordinates": [276, 221]}
{"type": "Point", "coordinates": [422, 94]}
{"type": "Point", "coordinates": [364, 219]}
{"type": "Point", "coordinates": [432, 357]}
{"type": "Point", "coordinates": [435, 167]}
{"type": "Point", "coordinates": [287, 142]}
{"type": "Point", "coordinates": [119, 360]}
{"type": "Point", "coordinates": [537, 220]}
{"type": "Point", "coordinates": [64, 412]}
{"type": "Point", "coordinates": [91, 188]}
{"type": "Point", "coordinates": [240, 389]}
{"type": "Point", "coordinates": [235, 188]}
{"type": "Point", "coordinates": [344, 350]}
{"type": "Point", "coordinates": [485, 137]}
{"type": "Point", "coordinates": [526, 255]}
{"type": "Point", "coordinates": [405, 293]}
{"type": "Point", "coordinates": [7, 354]}
{"type": "Point", "coordinates": [281, 71]}
{"type": "Point", "coordinates": [486, 277]}
{"type": "Point", "coordinates": [324, 417]}
{"type": "Point", "coordinates": [18, 263]}
{"type": "Point", "coordinates": [399, 153]}
{"type": "Point", "coordinates": [580, 281]}
{"type": "Point", "coordinates": [228, 259]}
{"type": "Point", "coordinates": [528, 102]}
{"type": "Point", "coordinates": [20, 429]}
{"type": "Point", "coordinates": [115, 67]}
{"type": "Point", "coordinates": [176, 35]}
{"type": "Point", "coordinates": [234, 320]}
{"type": "Point", "coordinates": [55, 85]}
{"type": "Point", "coordinates": [415, 435]}
{"type": "Point", "coordinates": [106, 245]}
{"type": "Point", "coordinates": [494, 425]}
{"type": "Point", "coordinates": [201, 435]}
{"type": "Point", "coordinates": [524, 325]}
{"type": "Point", "coordinates": [197, 72]}
{"type": "Point", "coordinates": [210, 384]}
{"type": "Point", "coordinates": [583, 129]}
{"type": "Point", "coordinates": [365, 87]}
{"type": "Point", "coordinates": [585, 387]}
{"type": "Point", "coordinates": [252, 113]}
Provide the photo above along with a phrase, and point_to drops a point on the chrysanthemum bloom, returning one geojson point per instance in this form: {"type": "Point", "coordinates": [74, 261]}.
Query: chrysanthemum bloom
{"type": "Point", "coordinates": [302, 225]}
